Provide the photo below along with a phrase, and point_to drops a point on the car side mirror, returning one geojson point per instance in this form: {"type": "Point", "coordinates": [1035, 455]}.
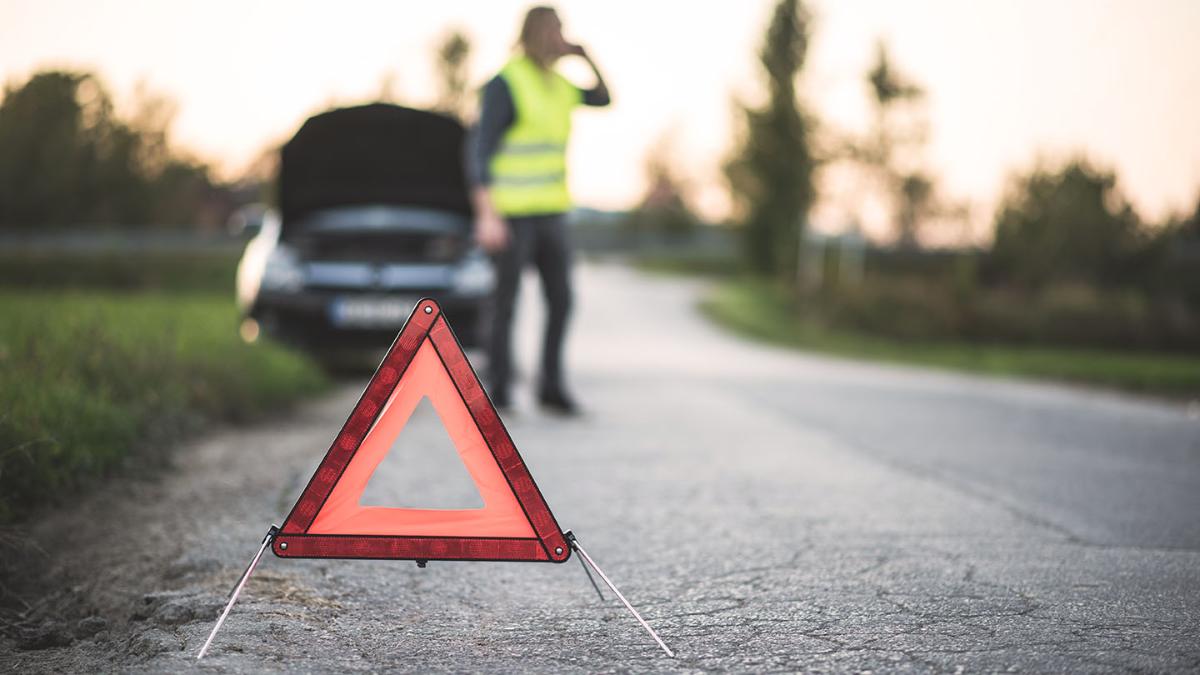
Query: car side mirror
{"type": "Point", "coordinates": [247, 222]}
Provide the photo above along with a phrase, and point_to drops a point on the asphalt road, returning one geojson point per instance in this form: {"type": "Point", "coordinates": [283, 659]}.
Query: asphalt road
{"type": "Point", "coordinates": [767, 510]}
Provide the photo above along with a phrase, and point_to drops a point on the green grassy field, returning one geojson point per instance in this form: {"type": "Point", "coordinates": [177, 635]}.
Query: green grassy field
{"type": "Point", "coordinates": [762, 311]}
{"type": "Point", "coordinates": [91, 381]}
{"type": "Point", "coordinates": [184, 271]}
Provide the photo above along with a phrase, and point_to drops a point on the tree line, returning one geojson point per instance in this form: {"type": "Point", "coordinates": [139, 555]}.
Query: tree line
{"type": "Point", "coordinates": [69, 158]}
{"type": "Point", "coordinates": [1057, 223]}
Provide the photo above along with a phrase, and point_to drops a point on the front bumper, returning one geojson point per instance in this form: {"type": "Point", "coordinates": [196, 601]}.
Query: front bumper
{"type": "Point", "coordinates": [308, 319]}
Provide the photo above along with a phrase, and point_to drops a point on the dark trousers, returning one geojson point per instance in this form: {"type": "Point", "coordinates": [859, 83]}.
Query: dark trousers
{"type": "Point", "coordinates": [543, 240]}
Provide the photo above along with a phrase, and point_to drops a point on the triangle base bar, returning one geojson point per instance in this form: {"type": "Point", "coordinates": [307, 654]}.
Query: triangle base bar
{"type": "Point", "coordinates": [411, 548]}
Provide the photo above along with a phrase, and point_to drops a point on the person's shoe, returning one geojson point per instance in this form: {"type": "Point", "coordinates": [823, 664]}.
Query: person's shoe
{"type": "Point", "coordinates": [559, 402]}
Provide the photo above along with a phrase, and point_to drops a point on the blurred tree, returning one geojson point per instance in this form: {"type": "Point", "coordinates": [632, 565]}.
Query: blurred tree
{"type": "Point", "coordinates": [49, 147]}
{"type": "Point", "coordinates": [258, 182]}
{"type": "Point", "coordinates": [916, 204]}
{"type": "Point", "coordinates": [1189, 228]}
{"type": "Point", "coordinates": [1067, 225]}
{"type": "Point", "coordinates": [664, 207]}
{"type": "Point", "coordinates": [1172, 256]}
{"type": "Point", "coordinates": [888, 85]}
{"type": "Point", "coordinates": [66, 158]}
{"type": "Point", "coordinates": [388, 88]}
{"type": "Point", "coordinates": [453, 56]}
{"type": "Point", "coordinates": [894, 147]}
{"type": "Point", "coordinates": [771, 172]}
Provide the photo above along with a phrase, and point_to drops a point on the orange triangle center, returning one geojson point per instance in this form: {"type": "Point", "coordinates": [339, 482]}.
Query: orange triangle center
{"type": "Point", "coordinates": [501, 515]}
{"type": "Point", "coordinates": [422, 470]}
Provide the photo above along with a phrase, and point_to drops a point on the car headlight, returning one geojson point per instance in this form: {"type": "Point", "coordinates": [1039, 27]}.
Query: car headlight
{"type": "Point", "coordinates": [282, 271]}
{"type": "Point", "coordinates": [474, 276]}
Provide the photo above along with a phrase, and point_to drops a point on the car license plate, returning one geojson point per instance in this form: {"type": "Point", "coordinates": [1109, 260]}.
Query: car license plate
{"type": "Point", "coordinates": [370, 312]}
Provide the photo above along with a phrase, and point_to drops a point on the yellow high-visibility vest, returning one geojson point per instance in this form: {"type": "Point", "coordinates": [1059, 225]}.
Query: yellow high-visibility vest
{"type": "Point", "coordinates": [529, 170]}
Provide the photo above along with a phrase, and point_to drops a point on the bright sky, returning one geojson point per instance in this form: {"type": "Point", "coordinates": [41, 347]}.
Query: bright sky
{"type": "Point", "coordinates": [1009, 81]}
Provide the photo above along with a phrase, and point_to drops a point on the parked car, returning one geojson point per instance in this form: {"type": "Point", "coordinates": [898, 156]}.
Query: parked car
{"type": "Point", "coordinates": [374, 213]}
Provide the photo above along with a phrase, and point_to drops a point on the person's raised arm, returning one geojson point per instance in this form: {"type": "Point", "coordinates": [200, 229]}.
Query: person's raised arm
{"type": "Point", "coordinates": [598, 95]}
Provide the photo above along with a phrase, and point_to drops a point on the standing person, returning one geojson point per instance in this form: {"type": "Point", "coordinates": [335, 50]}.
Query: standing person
{"type": "Point", "coordinates": [517, 164]}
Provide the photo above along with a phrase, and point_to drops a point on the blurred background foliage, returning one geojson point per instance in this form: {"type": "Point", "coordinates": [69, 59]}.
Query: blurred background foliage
{"type": "Point", "coordinates": [118, 335]}
{"type": "Point", "coordinates": [771, 172]}
{"type": "Point", "coordinates": [67, 158]}
{"type": "Point", "coordinates": [454, 89]}
{"type": "Point", "coordinates": [1071, 264]}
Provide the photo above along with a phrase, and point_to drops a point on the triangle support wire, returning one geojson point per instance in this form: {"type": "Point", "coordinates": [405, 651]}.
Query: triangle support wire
{"type": "Point", "coordinates": [237, 588]}
{"type": "Point", "coordinates": [570, 536]}
{"type": "Point", "coordinates": [591, 578]}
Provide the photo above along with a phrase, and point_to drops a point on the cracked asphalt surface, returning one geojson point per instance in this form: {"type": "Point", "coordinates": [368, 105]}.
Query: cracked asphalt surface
{"type": "Point", "coordinates": [765, 509]}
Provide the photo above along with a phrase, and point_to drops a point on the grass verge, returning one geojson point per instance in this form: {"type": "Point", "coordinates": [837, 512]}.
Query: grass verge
{"type": "Point", "coordinates": [183, 271]}
{"type": "Point", "coordinates": [760, 310]}
{"type": "Point", "coordinates": [702, 264]}
{"type": "Point", "coordinates": [90, 380]}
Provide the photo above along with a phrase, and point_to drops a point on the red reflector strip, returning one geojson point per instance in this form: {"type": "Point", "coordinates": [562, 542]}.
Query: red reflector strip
{"type": "Point", "coordinates": [407, 548]}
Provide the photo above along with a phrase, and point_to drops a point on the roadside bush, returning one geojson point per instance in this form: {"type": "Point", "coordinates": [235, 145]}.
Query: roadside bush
{"type": "Point", "coordinates": [88, 380]}
{"type": "Point", "coordinates": [768, 312]}
{"type": "Point", "coordinates": [1077, 314]}
{"type": "Point", "coordinates": [907, 309]}
{"type": "Point", "coordinates": [1072, 315]}
{"type": "Point", "coordinates": [1067, 224]}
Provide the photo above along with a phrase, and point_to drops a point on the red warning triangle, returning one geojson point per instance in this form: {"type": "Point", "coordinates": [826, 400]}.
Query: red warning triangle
{"type": "Point", "coordinates": [515, 524]}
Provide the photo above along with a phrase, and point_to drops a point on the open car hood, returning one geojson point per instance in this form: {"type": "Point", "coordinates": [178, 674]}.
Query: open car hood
{"type": "Point", "coordinates": [377, 154]}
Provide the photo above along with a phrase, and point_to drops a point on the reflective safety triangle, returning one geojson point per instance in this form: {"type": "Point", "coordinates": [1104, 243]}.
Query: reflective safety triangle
{"type": "Point", "coordinates": [329, 521]}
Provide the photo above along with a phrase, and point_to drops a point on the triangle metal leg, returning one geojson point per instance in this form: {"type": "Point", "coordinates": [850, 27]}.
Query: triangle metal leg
{"type": "Point", "coordinates": [590, 578]}
{"type": "Point", "coordinates": [237, 589]}
{"type": "Point", "coordinates": [588, 559]}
